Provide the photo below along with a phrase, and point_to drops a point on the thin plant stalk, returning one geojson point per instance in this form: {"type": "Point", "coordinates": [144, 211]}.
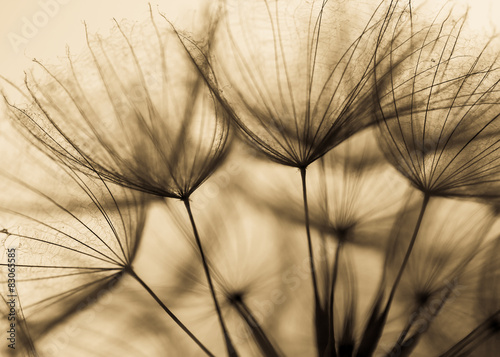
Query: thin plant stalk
{"type": "Point", "coordinates": [332, 298]}
{"type": "Point", "coordinates": [231, 351]}
{"type": "Point", "coordinates": [377, 321]}
{"type": "Point", "coordinates": [169, 312]}
{"type": "Point", "coordinates": [408, 252]}
{"type": "Point", "coordinates": [308, 232]}
{"type": "Point", "coordinates": [265, 345]}
{"type": "Point", "coordinates": [319, 318]}
{"type": "Point", "coordinates": [477, 336]}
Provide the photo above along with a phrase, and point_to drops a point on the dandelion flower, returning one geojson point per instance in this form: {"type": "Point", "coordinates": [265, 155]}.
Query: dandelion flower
{"type": "Point", "coordinates": [131, 108]}
{"type": "Point", "coordinates": [296, 81]}
{"type": "Point", "coordinates": [70, 246]}
{"type": "Point", "coordinates": [438, 267]}
{"type": "Point", "coordinates": [439, 112]}
{"type": "Point", "coordinates": [438, 123]}
{"type": "Point", "coordinates": [158, 129]}
{"type": "Point", "coordinates": [293, 79]}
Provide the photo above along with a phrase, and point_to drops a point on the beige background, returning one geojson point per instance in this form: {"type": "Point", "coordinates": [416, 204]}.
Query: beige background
{"type": "Point", "coordinates": [61, 23]}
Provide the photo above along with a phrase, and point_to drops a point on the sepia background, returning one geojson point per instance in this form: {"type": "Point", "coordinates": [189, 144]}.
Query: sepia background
{"type": "Point", "coordinates": [122, 322]}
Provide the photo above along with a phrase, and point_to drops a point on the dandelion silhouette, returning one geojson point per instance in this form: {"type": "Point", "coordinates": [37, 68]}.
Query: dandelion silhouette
{"type": "Point", "coordinates": [438, 124]}
{"type": "Point", "coordinates": [73, 245]}
{"type": "Point", "coordinates": [351, 94]}
{"type": "Point", "coordinates": [439, 119]}
{"type": "Point", "coordinates": [158, 130]}
{"type": "Point", "coordinates": [245, 261]}
{"type": "Point", "coordinates": [310, 91]}
{"type": "Point", "coordinates": [438, 266]}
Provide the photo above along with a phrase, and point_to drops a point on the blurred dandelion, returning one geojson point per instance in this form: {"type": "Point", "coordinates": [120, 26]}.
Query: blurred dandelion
{"type": "Point", "coordinates": [392, 115]}
{"type": "Point", "coordinates": [354, 199]}
{"type": "Point", "coordinates": [298, 83]}
{"type": "Point", "coordinates": [439, 111]}
{"type": "Point", "coordinates": [354, 193]}
{"type": "Point", "coordinates": [246, 262]}
{"type": "Point", "coordinates": [482, 337]}
{"type": "Point", "coordinates": [438, 266]}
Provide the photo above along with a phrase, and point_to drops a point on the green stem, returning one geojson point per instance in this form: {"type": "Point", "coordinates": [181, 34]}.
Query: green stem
{"type": "Point", "coordinates": [170, 313]}
{"type": "Point", "coordinates": [231, 351]}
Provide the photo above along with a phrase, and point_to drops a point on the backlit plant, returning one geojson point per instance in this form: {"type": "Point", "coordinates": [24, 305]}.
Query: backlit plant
{"type": "Point", "coordinates": [108, 157]}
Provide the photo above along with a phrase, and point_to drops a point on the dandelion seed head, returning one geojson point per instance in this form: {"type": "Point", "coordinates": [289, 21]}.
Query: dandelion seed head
{"type": "Point", "coordinates": [236, 297]}
{"type": "Point", "coordinates": [439, 109]}
{"type": "Point", "coordinates": [70, 244]}
{"type": "Point", "coordinates": [300, 84]}
{"type": "Point", "coordinates": [130, 107]}
{"type": "Point", "coordinates": [354, 193]}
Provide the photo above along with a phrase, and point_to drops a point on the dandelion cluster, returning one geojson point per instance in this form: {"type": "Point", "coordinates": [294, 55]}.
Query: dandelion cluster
{"type": "Point", "coordinates": [282, 178]}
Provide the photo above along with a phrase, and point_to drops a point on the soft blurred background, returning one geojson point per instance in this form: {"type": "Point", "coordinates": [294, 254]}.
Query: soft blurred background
{"type": "Point", "coordinates": [42, 28]}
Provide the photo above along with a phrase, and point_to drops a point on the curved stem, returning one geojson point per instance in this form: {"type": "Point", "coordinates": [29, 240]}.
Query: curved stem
{"type": "Point", "coordinates": [170, 313]}
{"type": "Point", "coordinates": [231, 351]}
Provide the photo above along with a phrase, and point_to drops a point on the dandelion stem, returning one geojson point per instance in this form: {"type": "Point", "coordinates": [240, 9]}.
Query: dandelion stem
{"type": "Point", "coordinates": [408, 252]}
{"type": "Point", "coordinates": [170, 313]}
{"type": "Point", "coordinates": [265, 345]}
{"type": "Point", "coordinates": [231, 351]}
{"type": "Point", "coordinates": [377, 321]}
{"type": "Point", "coordinates": [320, 321]}
{"type": "Point", "coordinates": [480, 334]}
{"type": "Point", "coordinates": [308, 231]}
{"type": "Point", "coordinates": [332, 297]}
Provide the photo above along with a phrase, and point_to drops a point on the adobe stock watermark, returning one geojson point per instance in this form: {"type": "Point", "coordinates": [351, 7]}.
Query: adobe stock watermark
{"type": "Point", "coordinates": [31, 25]}
{"type": "Point", "coordinates": [11, 243]}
